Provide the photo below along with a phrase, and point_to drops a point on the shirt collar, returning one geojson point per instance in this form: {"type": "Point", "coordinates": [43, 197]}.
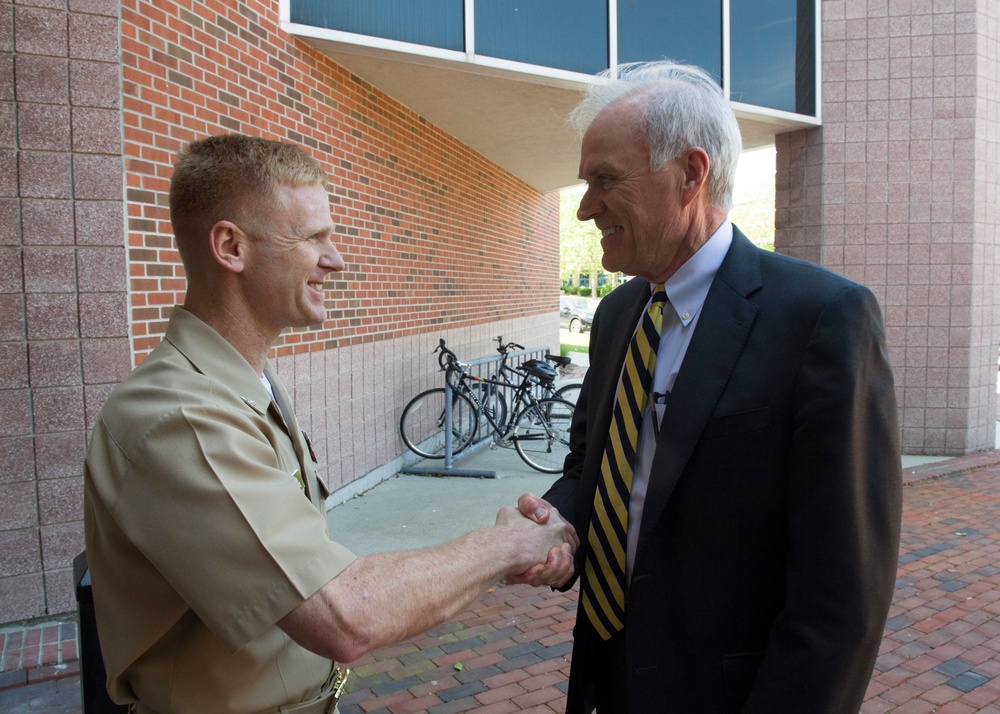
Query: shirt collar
{"type": "Point", "coordinates": [688, 287]}
{"type": "Point", "coordinates": [216, 358]}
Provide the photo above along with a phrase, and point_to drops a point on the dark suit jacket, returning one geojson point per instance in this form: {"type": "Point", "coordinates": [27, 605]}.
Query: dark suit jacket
{"type": "Point", "coordinates": [768, 548]}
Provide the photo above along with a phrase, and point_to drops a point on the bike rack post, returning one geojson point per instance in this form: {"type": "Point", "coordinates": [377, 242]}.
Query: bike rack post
{"type": "Point", "coordinates": [449, 422]}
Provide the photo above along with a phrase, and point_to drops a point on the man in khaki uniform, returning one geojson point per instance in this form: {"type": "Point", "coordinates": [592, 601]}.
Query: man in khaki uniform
{"type": "Point", "coordinates": [216, 586]}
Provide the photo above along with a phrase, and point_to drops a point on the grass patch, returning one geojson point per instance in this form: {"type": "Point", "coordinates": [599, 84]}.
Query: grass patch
{"type": "Point", "coordinates": [568, 342]}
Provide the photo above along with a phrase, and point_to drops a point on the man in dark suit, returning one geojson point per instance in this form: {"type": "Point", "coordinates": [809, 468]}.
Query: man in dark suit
{"type": "Point", "coordinates": [758, 524]}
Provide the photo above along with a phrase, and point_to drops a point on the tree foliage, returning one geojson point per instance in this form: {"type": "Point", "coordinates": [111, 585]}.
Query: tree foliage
{"type": "Point", "coordinates": [753, 197]}
{"type": "Point", "coordinates": [579, 242]}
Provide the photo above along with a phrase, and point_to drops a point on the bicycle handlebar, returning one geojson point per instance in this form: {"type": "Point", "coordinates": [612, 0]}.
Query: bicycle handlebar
{"type": "Point", "coordinates": [448, 361]}
{"type": "Point", "coordinates": [557, 359]}
{"type": "Point", "coordinates": [505, 348]}
{"type": "Point", "coordinates": [447, 357]}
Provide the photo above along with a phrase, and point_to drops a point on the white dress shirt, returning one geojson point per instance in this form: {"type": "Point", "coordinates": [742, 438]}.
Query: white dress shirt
{"type": "Point", "coordinates": [686, 292]}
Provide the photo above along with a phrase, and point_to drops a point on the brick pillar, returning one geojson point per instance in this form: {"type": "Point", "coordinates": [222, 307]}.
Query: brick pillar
{"type": "Point", "coordinates": [983, 169]}
{"type": "Point", "coordinates": [898, 190]}
{"type": "Point", "coordinates": [63, 328]}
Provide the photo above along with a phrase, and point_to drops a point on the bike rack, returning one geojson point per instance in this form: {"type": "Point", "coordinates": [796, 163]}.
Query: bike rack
{"type": "Point", "coordinates": [449, 469]}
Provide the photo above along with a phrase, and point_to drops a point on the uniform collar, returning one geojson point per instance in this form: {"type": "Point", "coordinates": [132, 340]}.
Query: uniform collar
{"type": "Point", "coordinates": [212, 355]}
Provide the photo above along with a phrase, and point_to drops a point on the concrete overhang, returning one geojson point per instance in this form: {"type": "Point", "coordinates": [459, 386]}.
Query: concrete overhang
{"type": "Point", "coordinates": [515, 115]}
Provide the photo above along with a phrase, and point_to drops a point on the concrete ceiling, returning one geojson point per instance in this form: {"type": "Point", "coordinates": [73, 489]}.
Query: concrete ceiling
{"type": "Point", "coordinates": [515, 119]}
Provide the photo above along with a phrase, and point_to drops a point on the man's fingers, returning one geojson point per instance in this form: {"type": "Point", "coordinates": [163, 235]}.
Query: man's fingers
{"type": "Point", "coordinates": [555, 571]}
{"type": "Point", "coordinates": [533, 507]}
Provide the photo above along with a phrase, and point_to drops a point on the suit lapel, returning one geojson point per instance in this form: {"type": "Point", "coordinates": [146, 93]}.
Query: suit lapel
{"type": "Point", "coordinates": [615, 344]}
{"type": "Point", "coordinates": [715, 347]}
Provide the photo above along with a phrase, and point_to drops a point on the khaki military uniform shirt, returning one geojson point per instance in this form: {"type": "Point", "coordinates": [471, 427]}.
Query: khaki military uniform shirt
{"type": "Point", "coordinates": [200, 536]}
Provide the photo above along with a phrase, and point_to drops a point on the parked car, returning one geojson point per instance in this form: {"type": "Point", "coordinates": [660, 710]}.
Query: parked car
{"type": "Point", "coordinates": [575, 314]}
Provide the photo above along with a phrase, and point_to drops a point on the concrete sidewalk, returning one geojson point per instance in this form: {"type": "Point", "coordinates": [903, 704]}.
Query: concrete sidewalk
{"type": "Point", "coordinates": [511, 650]}
{"type": "Point", "coordinates": [408, 511]}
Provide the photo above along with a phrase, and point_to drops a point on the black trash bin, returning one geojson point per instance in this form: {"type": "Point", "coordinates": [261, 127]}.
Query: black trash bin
{"type": "Point", "coordinates": [93, 676]}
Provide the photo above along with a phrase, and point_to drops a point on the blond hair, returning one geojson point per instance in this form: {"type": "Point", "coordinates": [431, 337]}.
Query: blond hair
{"type": "Point", "coordinates": [231, 177]}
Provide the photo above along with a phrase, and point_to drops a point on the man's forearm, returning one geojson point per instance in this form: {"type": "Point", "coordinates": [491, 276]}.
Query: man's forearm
{"type": "Point", "coordinates": [388, 597]}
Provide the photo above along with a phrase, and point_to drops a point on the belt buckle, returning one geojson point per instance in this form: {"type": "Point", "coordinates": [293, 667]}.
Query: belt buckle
{"type": "Point", "coordinates": [338, 679]}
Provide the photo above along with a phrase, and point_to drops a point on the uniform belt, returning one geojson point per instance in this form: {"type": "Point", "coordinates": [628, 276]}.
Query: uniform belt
{"type": "Point", "coordinates": [326, 701]}
{"type": "Point", "coordinates": [323, 703]}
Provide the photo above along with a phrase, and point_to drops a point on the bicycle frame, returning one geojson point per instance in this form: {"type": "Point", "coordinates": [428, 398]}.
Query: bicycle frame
{"type": "Point", "coordinates": [523, 396]}
{"type": "Point", "coordinates": [546, 388]}
{"type": "Point", "coordinates": [504, 434]}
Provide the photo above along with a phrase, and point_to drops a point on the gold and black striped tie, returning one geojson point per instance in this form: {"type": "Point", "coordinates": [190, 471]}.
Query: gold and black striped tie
{"type": "Point", "coordinates": [602, 593]}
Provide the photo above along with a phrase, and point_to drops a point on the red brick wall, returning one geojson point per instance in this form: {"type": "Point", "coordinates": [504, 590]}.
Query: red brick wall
{"type": "Point", "coordinates": [436, 238]}
{"type": "Point", "coordinates": [433, 234]}
{"type": "Point", "coordinates": [438, 241]}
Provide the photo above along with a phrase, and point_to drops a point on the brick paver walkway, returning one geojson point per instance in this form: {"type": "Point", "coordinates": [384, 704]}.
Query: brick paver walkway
{"type": "Point", "coordinates": [941, 650]}
{"type": "Point", "coordinates": [511, 651]}
{"type": "Point", "coordinates": [36, 653]}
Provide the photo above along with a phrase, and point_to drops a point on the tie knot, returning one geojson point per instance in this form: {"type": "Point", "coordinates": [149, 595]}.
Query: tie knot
{"type": "Point", "coordinates": [655, 309]}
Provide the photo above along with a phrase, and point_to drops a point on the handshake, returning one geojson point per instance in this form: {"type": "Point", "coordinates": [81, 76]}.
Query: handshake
{"type": "Point", "coordinates": [542, 542]}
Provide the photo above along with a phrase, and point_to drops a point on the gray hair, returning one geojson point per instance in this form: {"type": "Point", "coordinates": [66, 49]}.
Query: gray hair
{"type": "Point", "coordinates": [682, 107]}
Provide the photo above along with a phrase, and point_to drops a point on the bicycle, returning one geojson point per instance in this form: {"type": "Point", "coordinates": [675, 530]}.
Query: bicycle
{"type": "Point", "coordinates": [538, 428]}
{"type": "Point", "coordinates": [545, 384]}
{"type": "Point", "coordinates": [547, 388]}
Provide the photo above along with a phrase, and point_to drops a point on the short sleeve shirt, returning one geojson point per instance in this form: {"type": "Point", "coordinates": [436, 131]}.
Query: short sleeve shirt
{"type": "Point", "coordinates": [199, 534]}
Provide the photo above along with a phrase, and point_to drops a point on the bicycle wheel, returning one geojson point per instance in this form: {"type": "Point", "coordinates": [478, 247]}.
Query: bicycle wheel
{"type": "Point", "coordinates": [422, 425]}
{"type": "Point", "coordinates": [569, 392]}
{"type": "Point", "coordinates": [541, 434]}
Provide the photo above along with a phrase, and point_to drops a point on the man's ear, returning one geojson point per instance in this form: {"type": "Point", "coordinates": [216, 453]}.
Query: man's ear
{"type": "Point", "coordinates": [228, 245]}
{"type": "Point", "coordinates": [696, 164]}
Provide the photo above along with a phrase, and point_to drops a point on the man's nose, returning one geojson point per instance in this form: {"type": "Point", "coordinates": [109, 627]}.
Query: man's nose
{"type": "Point", "coordinates": [590, 207]}
{"type": "Point", "coordinates": [332, 260]}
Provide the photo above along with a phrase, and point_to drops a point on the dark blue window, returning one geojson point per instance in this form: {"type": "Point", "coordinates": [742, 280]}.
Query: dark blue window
{"type": "Point", "coordinates": [435, 23]}
{"type": "Point", "coordinates": [565, 34]}
{"type": "Point", "coordinates": [773, 54]}
{"type": "Point", "coordinates": [688, 31]}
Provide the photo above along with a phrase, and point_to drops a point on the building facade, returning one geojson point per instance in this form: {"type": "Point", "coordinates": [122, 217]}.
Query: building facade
{"type": "Point", "coordinates": [441, 125]}
{"type": "Point", "coordinates": [898, 190]}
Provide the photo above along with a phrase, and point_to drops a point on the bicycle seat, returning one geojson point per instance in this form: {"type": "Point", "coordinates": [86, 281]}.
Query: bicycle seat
{"type": "Point", "coordinates": [560, 361]}
{"type": "Point", "coordinates": [539, 369]}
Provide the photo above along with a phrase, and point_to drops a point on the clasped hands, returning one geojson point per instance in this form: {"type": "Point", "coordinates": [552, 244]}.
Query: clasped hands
{"type": "Point", "coordinates": [557, 567]}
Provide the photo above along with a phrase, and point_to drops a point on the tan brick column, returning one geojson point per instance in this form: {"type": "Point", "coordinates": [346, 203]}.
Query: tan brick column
{"type": "Point", "coordinates": [898, 190]}
{"type": "Point", "coordinates": [63, 319]}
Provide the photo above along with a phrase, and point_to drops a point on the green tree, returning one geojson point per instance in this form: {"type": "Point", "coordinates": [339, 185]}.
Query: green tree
{"type": "Point", "coordinates": [579, 242]}
{"type": "Point", "coordinates": [753, 197]}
